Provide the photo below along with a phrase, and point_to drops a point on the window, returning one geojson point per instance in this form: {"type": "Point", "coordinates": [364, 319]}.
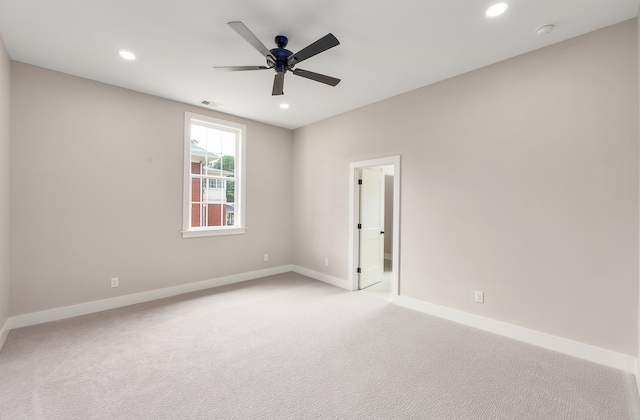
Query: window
{"type": "Point", "coordinates": [213, 177]}
{"type": "Point", "coordinates": [216, 184]}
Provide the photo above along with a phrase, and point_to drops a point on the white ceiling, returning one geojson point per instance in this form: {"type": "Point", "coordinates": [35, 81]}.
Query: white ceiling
{"type": "Point", "coordinates": [387, 47]}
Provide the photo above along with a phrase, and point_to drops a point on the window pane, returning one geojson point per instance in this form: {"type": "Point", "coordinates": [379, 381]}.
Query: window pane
{"type": "Point", "coordinates": [230, 215]}
{"type": "Point", "coordinates": [196, 201]}
{"type": "Point", "coordinates": [230, 192]}
{"type": "Point", "coordinates": [214, 149]}
{"type": "Point", "coordinates": [226, 165]}
{"type": "Point", "coordinates": [215, 214]}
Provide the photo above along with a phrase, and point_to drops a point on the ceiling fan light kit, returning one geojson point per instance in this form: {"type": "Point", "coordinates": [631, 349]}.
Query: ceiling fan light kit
{"type": "Point", "coordinates": [282, 60]}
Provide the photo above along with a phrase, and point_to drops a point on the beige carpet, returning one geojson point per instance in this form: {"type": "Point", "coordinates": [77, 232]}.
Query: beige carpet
{"type": "Point", "coordinates": [287, 347]}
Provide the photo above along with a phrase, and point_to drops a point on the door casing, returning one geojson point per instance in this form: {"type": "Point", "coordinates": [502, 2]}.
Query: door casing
{"type": "Point", "coordinates": [354, 167]}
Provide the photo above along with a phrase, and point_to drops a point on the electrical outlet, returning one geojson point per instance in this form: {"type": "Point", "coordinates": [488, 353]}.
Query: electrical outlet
{"type": "Point", "coordinates": [326, 262]}
{"type": "Point", "coordinates": [478, 296]}
{"type": "Point", "coordinates": [266, 257]}
{"type": "Point", "coordinates": [115, 282]}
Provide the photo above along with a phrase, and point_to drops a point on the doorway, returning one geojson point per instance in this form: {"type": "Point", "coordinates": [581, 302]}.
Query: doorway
{"type": "Point", "coordinates": [375, 226]}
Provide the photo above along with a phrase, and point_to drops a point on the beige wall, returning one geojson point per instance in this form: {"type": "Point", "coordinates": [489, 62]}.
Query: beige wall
{"type": "Point", "coordinates": [5, 132]}
{"type": "Point", "coordinates": [638, 46]}
{"type": "Point", "coordinates": [519, 179]}
{"type": "Point", "coordinates": [97, 193]}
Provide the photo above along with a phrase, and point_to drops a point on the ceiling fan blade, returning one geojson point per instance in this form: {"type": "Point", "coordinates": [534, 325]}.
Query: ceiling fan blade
{"type": "Point", "coordinates": [323, 44]}
{"type": "Point", "coordinates": [278, 84]}
{"type": "Point", "coordinates": [328, 80]}
{"type": "Point", "coordinates": [248, 36]}
{"type": "Point", "coordinates": [242, 68]}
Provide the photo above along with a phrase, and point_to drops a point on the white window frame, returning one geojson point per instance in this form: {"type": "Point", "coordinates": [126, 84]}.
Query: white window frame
{"type": "Point", "coordinates": [239, 169]}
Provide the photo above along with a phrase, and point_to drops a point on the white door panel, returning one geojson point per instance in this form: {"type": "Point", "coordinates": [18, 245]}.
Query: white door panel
{"type": "Point", "coordinates": [371, 236]}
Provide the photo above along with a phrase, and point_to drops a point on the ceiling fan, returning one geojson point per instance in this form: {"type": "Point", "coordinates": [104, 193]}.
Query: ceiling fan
{"type": "Point", "coordinates": [282, 60]}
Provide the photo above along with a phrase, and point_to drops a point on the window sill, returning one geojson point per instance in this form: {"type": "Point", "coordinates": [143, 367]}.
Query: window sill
{"type": "Point", "coordinates": [212, 232]}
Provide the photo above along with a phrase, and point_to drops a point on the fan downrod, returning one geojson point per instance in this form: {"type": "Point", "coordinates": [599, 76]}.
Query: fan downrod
{"type": "Point", "coordinates": [281, 41]}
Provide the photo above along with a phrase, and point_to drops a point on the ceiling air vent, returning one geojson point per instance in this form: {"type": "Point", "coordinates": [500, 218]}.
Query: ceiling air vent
{"type": "Point", "coordinates": [208, 103]}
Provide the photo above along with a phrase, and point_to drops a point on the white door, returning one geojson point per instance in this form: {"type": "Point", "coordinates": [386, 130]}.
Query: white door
{"type": "Point", "coordinates": [371, 227]}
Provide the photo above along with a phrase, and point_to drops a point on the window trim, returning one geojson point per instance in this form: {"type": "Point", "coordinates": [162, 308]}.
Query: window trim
{"type": "Point", "coordinates": [240, 184]}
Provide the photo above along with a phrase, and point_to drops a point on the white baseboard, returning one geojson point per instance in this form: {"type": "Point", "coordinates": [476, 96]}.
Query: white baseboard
{"type": "Point", "coordinates": [572, 348]}
{"type": "Point", "coordinates": [637, 373]}
{"type": "Point", "coordinates": [561, 345]}
{"type": "Point", "coordinates": [334, 281]}
{"type": "Point", "coordinates": [4, 332]}
{"type": "Point", "coordinates": [55, 314]}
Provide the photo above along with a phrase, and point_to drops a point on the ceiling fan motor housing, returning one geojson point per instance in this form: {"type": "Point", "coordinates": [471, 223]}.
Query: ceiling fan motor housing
{"type": "Point", "coordinates": [281, 54]}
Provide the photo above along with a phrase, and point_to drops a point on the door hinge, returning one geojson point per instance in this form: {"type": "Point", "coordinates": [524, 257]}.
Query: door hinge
{"type": "Point", "coordinates": [359, 225]}
{"type": "Point", "coordinates": [358, 270]}
{"type": "Point", "coordinates": [359, 182]}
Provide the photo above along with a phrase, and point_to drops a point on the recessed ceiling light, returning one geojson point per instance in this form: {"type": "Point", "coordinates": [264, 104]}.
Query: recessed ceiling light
{"type": "Point", "coordinates": [496, 10]}
{"type": "Point", "coordinates": [127, 55]}
{"type": "Point", "coordinates": [284, 106]}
